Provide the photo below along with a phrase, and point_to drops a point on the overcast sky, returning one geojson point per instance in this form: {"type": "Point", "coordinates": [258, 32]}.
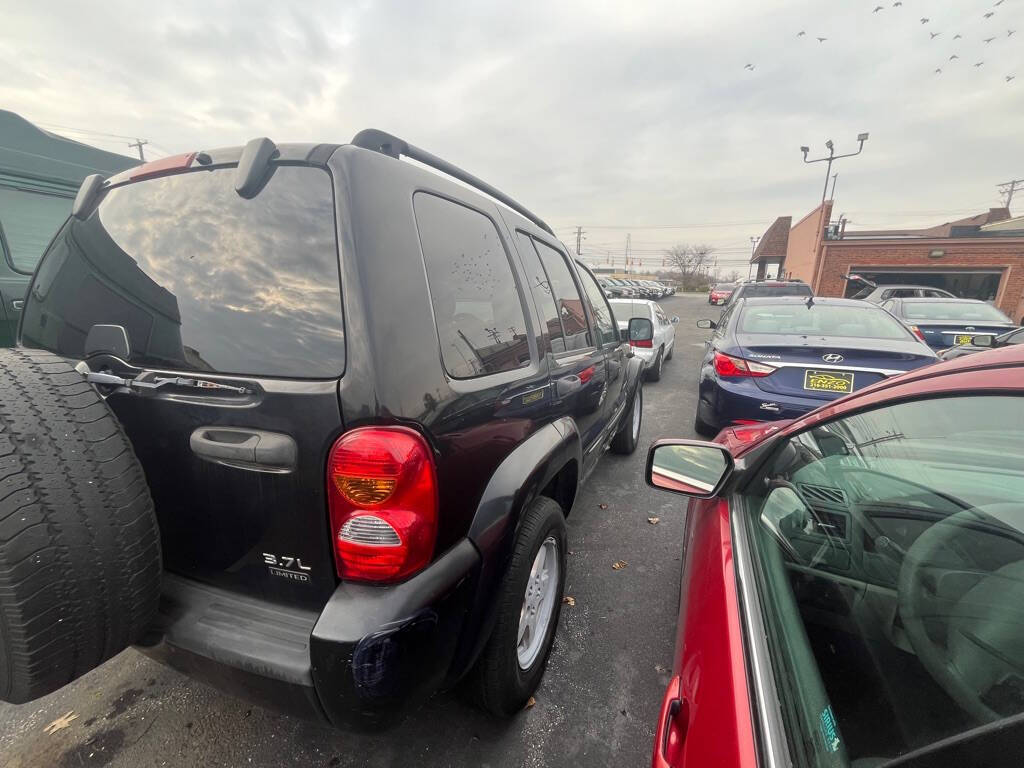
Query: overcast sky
{"type": "Point", "coordinates": [614, 116]}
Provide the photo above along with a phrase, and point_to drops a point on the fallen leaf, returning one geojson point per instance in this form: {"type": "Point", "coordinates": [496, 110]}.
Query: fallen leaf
{"type": "Point", "coordinates": [569, 600]}
{"type": "Point", "coordinates": [603, 506]}
{"type": "Point", "coordinates": [659, 668]}
{"type": "Point", "coordinates": [653, 520]}
{"type": "Point", "coordinates": [571, 552]}
{"type": "Point", "coordinates": [62, 722]}
{"type": "Point", "coordinates": [530, 702]}
{"type": "Point", "coordinates": [618, 565]}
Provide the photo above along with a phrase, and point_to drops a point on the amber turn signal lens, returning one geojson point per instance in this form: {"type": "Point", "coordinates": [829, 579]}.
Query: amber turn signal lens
{"type": "Point", "coordinates": [365, 490]}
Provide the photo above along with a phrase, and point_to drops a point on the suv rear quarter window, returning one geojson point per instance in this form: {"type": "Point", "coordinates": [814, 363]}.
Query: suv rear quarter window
{"type": "Point", "coordinates": [567, 297]}
{"type": "Point", "coordinates": [479, 314]}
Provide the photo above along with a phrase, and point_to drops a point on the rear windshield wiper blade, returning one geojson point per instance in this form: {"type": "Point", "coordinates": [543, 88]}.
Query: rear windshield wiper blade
{"type": "Point", "coordinates": [110, 379]}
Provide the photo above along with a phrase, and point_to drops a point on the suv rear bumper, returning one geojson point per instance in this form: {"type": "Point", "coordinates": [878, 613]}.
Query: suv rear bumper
{"type": "Point", "coordinates": [370, 654]}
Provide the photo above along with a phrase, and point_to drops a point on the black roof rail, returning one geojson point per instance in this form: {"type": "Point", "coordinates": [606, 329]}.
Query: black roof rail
{"type": "Point", "coordinates": [385, 143]}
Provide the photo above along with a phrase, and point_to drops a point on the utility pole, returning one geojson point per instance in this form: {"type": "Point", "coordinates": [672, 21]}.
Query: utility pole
{"type": "Point", "coordinates": [628, 238]}
{"type": "Point", "coordinates": [832, 194]}
{"type": "Point", "coordinates": [1006, 189]}
{"type": "Point", "coordinates": [832, 156]}
{"type": "Point", "coordinates": [753, 247]}
{"type": "Point", "coordinates": [579, 239]}
{"type": "Point", "coordinates": [138, 143]}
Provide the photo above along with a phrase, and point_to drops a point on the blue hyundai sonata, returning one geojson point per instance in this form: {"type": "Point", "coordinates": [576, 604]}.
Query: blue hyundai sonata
{"type": "Point", "coordinates": [778, 358]}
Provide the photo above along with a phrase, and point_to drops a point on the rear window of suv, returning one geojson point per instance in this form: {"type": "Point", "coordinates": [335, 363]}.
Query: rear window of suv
{"type": "Point", "coordinates": [757, 291]}
{"type": "Point", "coordinates": [200, 278]}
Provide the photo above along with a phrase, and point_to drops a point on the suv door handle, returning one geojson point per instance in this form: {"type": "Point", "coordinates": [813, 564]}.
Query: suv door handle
{"type": "Point", "coordinates": [245, 448]}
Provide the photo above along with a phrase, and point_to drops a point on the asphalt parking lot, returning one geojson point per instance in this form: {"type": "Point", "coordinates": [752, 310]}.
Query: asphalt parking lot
{"type": "Point", "coordinates": [597, 704]}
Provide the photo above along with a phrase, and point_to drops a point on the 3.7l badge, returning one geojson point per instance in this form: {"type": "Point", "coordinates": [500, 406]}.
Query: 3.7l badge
{"type": "Point", "coordinates": [286, 567]}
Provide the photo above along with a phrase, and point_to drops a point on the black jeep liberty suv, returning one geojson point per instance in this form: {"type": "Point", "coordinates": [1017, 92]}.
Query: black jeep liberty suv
{"type": "Point", "coordinates": [303, 421]}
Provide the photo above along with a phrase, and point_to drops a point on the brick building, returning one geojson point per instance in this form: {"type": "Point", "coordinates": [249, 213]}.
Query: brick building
{"type": "Point", "coordinates": [978, 257]}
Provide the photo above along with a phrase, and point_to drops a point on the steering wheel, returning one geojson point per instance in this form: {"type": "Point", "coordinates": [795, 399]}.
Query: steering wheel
{"type": "Point", "coordinates": [980, 612]}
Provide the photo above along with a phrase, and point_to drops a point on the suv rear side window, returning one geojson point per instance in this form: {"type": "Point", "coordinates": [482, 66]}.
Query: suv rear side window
{"type": "Point", "coordinates": [200, 278]}
{"type": "Point", "coordinates": [567, 297]}
{"type": "Point", "coordinates": [477, 307]}
{"type": "Point", "coordinates": [540, 287]}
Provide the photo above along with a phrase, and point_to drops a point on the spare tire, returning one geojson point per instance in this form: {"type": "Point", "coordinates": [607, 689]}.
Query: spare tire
{"type": "Point", "coordinates": [79, 544]}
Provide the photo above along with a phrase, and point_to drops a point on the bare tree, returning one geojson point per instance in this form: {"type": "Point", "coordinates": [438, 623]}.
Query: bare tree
{"type": "Point", "coordinates": [733, 277]}
{"type": "Point", "coordinates": [692, 261]}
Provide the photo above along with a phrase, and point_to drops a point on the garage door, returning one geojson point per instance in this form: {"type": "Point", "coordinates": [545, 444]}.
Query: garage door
{"type": "Point", "coordinates": [967, 284]}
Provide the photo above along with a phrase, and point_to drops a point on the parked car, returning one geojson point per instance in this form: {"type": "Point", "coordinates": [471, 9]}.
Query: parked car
{"type": "Point", "coordinates": [852, 580]}
{"type": "Point", "coordinates": [640, 291]}
{"type": "Point", "coordinates": [628, 290]}
{"type": "Point", "coordinates": [720, 293]}
{"type": "Point", "coordinates": [656, 287]}
{"type": "Point", "coordinates": [362, 424]}
{"type": "Point", "coordinates": [880, 293]}
{"type": "Point", "coordinates": [944, 323]}
{"type": "Point", "coordinates": [611, 290]}
{"type": "Point", "coordinates": [764, 288]}
{"type": "Point", "coordinates": [983, 342]}
{"type": "Point", "coordinates": [778, 358]}
{"type": "Point", "coordinates": [654, 352]}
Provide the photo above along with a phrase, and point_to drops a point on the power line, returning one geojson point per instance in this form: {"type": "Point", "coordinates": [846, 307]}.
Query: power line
{"type": "Point", "coordinates": [86, 130]}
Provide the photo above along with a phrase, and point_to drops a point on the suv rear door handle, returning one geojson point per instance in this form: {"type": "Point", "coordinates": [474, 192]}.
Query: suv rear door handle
{"type": "Point", "coordinates": [245, 448]}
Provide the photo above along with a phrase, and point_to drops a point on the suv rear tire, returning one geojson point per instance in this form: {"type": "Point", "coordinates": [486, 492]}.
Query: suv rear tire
{"type": "Point", "coordinates": [501, 683]}
{"type": "Point", "coordinates": [79, 544]}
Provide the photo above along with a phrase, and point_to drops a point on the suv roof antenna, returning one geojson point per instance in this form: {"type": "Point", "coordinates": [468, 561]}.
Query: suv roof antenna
{"type": "Point", "coordinates": [385, 143]}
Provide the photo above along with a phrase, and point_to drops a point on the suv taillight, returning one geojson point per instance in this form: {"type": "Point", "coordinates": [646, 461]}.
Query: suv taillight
{"type": "Point", "coordinates": [736, 367]}
{"type": "Point", "coordinates": [382, 496]}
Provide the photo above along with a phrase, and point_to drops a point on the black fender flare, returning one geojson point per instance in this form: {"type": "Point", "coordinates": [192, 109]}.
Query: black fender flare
{"type": "Point", "coordinates": [518, 480]}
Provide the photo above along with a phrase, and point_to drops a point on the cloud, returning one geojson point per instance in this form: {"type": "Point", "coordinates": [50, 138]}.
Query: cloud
{"type": "Point", "coordinates": [590, 113]}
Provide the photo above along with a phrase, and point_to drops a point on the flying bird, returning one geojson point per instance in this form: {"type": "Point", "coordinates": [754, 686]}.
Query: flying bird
{"type": "Point", "coordinates": [1009, 32]}
{"type": "Point", "coordinates": [925, 21]}
{"type": "Point", "coordinates": [978, 64]}
{"type": "Point", "coordinates": [1010, 77]}
{"type": "Point", "coordinates": [999, 3]}
{"type": "Point", "coordinates": [878, 8]}
{"type": "Point", "coordinates": [897, 4]}
{"type": "Point", "coordinates": [934, 34]}
{"type": "Point", "coordinates": [954, 56]}
{"type": "Point", "coordinates": [990, 14]}
{"type": "Point", "coordinates": [750, 67]}
{"type": "Point", "coordinates": [989, 39]}
{"type": "Point", "coordinates": [801, 33]}
{"type": "Point", "coordinates": [938, 71]}
{"type": "Point", "coordinates": [822, 39]}
{"type": "Point", "coordinates": [957, 36]}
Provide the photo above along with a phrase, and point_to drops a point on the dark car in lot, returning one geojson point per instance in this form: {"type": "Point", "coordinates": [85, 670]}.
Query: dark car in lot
{"type": "Point", "coordinates": [983, 342]}
{"type": "Point", "coordinates": [778, 358]}
{"type": "Point", "coordinates": [364, 397]}
{"type": "Point", "coordinates": [944, 323]}
{"type": "Point", "coordinates": [852, 581]}
{"type": "Point", "coordinates": [759, 289]}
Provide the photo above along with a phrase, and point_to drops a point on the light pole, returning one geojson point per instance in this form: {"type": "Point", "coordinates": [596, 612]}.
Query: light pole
{"type": "Point", "coordinates": [861, 137]}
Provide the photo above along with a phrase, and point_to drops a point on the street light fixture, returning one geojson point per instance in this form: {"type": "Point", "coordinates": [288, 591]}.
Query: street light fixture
{"type": "Point", "coordinates": [861, 137]}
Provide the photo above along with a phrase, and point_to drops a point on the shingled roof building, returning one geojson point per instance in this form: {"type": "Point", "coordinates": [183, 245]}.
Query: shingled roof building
{"type": "Point", "coordinates": [981, 256]}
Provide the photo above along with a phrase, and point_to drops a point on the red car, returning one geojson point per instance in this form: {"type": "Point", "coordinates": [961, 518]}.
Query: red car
{"type": "Point", "coordinates": [720, 293]}
{"type": "Point", "coordinates": [853, 581]}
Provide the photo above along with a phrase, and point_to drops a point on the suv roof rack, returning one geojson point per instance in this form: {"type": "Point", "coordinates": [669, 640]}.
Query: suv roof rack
{"type": "Point", "coordinates": [386, 144]}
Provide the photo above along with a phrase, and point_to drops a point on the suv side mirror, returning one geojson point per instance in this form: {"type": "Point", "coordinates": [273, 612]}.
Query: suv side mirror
{"type": "Point", "coordinates": [690, 467]}
{"type": "Point", "coordinates": [711, 324]}
{"type": "Point", "coordinates": [640, 329]}
{"type": "Point", "coordinates": [983, 341]}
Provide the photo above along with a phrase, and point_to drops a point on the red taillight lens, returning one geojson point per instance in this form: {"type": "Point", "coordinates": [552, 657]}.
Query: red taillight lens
{"type": "Point", "coordinates": [736, 367]}
{"type": "Point", "coordinates": [382, 496]}
{"type": "Point", "coordinates": [917, 332]}
{"type": "Point", "coordinates": [643, 343]}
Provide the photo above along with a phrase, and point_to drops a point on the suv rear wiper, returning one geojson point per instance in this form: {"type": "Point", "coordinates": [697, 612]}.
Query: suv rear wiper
{"type": "Point", "coordinates": [110, 379]}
